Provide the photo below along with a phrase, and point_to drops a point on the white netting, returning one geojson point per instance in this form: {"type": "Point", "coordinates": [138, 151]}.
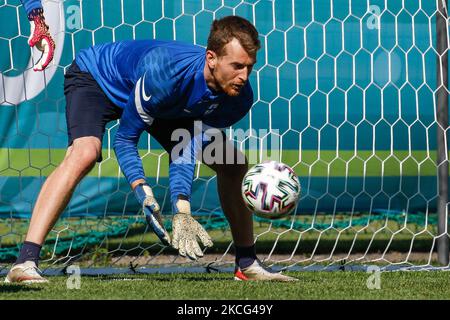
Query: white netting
{"type": "Point", "coordinates": [346, 88]}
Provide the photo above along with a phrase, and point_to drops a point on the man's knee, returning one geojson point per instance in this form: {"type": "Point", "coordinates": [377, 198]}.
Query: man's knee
{"type": "Point", "coordinates": [84, 153]}
{"type": "Point", "coordinates": [233, 169]}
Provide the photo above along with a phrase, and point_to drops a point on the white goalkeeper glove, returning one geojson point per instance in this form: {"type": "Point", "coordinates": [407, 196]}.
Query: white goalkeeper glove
{"type": "Point", "coordinates": [186, 230]}
{"type": "Point", "coordinates": [41, 38]}
{"type": "Point", "coordinates": [151, 210]}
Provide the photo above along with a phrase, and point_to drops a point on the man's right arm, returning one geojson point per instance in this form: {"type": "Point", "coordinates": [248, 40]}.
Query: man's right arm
{"type": "Point", "coordinates": [153, 89]}
{"type": "Point", "coordinates": [132, 124]}
{"type": "Point", "coordinates": [125, 143]}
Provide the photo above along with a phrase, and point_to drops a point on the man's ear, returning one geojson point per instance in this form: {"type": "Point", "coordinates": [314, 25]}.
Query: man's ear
{"type": "Point", "coordinates": [211, 59]}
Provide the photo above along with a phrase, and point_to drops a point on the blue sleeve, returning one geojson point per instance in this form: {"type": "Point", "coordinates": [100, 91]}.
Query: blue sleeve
{"type": "Point", "coordinates": [132, 123]}
{"type": "Point", "coordinates": [160, 82]}
{"type": "Point", "coordinates": [29, 5]}
{"type": "Point", "coordinates": [182, 164]}
{"type": "Point", "coordinates": [181, 172]}
{"type": "Point", "coordinates": [151, 92]}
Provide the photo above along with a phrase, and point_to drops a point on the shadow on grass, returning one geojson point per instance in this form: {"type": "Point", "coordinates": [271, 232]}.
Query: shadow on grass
{"type": "Point", "coordinates": [134, 245]}
{"type": "Point", "coordinates": [306, 246]}
{"type": "Point", "coordinates": [13, 288]}
{"type": "Point", "coordinates": [161, 278]}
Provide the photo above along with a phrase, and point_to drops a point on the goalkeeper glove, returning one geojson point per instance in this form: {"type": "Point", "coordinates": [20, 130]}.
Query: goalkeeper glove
{"type": "Point", "coordinates": [186, 230]}
{"type": "Point", "coordinates": [151, 210]}
{"type": "Point", "coordinates": [41, 38]}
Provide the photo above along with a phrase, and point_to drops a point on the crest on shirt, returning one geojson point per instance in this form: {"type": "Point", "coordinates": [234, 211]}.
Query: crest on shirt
{"type": "Point", "coordinates": [211, 108]}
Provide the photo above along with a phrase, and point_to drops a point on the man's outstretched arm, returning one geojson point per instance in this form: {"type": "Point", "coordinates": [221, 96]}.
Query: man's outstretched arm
{"type": "Point", "coordinates": [181, 170]}
{"type": "Point", "coordinates": [186, 229]}
{"type": "Point", "coordinates": [125, 147]}
{"type": "Point", "coordinates": [39, 33]}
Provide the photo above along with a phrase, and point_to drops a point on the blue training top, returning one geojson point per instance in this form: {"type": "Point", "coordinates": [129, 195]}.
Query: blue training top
{"type": "Point", "coordinates": [159, 79]}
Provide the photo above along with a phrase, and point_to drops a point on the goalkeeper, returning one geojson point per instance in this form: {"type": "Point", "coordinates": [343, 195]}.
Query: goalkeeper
{"type": "Point", "coordinates": [39, 33]}
{"type": "Point", "coordinates": [158, 87]}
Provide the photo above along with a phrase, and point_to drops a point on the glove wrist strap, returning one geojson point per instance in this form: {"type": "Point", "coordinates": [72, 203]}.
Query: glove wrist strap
{"type": "Point", "coordinates": [36, 13]}
{"type": "Point", "coordinates": [183, 207]}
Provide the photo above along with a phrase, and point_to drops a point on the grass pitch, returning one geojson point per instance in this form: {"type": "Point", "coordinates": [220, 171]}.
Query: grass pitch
{"type": "Point", "coordinates": [368, 237]}
{"type": "Point", "coordinates": [220, 286]}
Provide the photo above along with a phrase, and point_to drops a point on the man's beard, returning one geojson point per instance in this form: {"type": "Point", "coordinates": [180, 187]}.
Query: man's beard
{"type": "Point", "coordinates": [231, 90]}
{"type": "Point", "coordinates": [228, 89]}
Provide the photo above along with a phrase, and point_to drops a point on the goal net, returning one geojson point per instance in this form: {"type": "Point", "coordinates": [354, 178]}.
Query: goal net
{"type": "Point", "coordinates": [345, 93]}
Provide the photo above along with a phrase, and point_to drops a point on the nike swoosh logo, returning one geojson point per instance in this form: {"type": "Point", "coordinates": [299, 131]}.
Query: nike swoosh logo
{"type": "Point", "coordinates": [144, 96]}
{"type": "Point", "coordinates": [138, 103]}
{"type": "Point", "coordinates": [186, 110]}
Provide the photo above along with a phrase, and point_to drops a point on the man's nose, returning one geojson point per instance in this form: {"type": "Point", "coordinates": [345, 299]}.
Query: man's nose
{"type": "Point", "coordinates": [244, 74]}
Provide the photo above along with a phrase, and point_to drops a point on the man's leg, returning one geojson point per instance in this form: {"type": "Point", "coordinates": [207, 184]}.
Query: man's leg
{"type": "Point", "coordinates": [59, 186]}
{"type": "Point", "coordinates": [88, 110]}
{"type": "Point", "coordinates": [52, 200]}
{"type": "Point", "coordinates": [230, 171]}
{"type": "Point", "coordinates": [229, 180]}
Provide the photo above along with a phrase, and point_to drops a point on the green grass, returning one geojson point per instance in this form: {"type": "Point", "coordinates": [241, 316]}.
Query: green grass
{"type": "Point", "coordinates": [312, 285]}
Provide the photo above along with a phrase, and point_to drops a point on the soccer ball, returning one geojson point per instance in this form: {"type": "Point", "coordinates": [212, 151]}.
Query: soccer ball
{"type": "Point", "coordinates": [271, 190]}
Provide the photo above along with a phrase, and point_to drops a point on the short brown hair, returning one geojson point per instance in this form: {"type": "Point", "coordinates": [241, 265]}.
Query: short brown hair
{"type": "Point", "coordinates": [227, 28]}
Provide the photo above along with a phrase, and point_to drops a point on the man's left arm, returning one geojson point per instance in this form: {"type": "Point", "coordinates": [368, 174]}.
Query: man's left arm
{"type": "Point", "coordinates": [181, 174]}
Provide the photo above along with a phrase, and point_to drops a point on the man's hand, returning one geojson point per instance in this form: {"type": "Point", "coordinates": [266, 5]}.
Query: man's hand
{"type": "Point", "coordinates": [151, 210]}
{"type": "Point", "coordinates": [41, 38]}
{"type": "Point", "coordinates": [186, 230]}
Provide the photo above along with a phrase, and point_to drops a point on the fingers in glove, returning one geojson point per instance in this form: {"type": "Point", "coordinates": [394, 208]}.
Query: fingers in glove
{"type": "Point", "coordinates": [192, 249]}
{"type": "Point", "coordinates": [175, 240]}
{"type": "Point", "coordinates": [175, 234]}
{"type": "Point", "coordinates": [152, 204]}
{"type": "Point", "coordinates": [166, 238]}
{"type": "Point", "coordinates": [182, 248]}
{"type": "Point", "coordinates": [196, 249]}
{"type": "Point", "coordinates": [204, 236]}
{"type": "Point", "coordinates": [157, 226]}
{"type": "Point", "coordinates": [47, 46]}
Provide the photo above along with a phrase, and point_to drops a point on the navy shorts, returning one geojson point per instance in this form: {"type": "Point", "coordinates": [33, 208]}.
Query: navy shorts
{"type": "Point", "coordinates": [88, 109]}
